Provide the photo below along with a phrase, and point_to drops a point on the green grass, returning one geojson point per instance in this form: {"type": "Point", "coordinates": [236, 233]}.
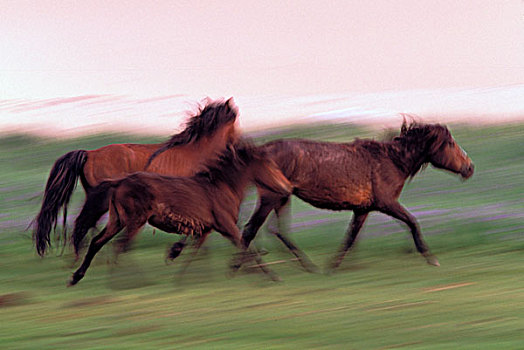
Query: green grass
{"type": "Point", "coordinates": [382, 297]}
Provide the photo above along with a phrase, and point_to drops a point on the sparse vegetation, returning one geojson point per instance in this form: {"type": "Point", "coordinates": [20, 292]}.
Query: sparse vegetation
{"type": "Point", "coordinates": [382, 297]}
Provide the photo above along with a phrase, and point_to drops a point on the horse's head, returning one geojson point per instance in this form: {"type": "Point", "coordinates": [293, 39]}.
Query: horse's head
{"type": "Point", "coordinates": [228, 133]}
{"type": "Point", "coordinates": [445, 153]}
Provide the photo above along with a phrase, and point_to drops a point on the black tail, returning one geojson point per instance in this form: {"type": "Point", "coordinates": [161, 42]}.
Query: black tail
{"type": "Point", "coordinates": [58, 191]}
{"type": "Point", "coordinates": [96, 205]}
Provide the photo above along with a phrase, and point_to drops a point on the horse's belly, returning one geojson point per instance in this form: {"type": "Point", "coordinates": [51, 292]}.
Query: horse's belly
{"type": "Point", "coordinates": [337, 197]}
{"type": "Point", "coordinates": [174, 223]}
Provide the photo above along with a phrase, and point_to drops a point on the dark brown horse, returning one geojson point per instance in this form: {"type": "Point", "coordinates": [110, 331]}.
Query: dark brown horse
{"type": "Point", "coordinates": [209, 200]}
{"type": "Point", "coordinates": [206, 134]}
{"type": "Point", "coordinates": [363, 176]}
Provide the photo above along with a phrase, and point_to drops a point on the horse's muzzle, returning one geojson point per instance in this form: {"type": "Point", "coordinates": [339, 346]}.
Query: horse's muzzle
{"type": "Point", "coordinates": [467, 171]}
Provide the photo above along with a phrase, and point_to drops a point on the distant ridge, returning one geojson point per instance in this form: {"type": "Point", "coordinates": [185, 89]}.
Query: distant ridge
{"type": "Point", "coordinates": [162, 115]}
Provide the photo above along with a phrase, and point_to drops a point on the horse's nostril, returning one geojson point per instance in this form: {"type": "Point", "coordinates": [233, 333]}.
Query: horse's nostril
{"type": "Point", "coordinates": [468, 171]}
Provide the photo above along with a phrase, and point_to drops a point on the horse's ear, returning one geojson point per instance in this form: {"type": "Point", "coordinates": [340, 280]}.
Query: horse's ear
{"type": "Point", "coordinates": [230, 104]}
{"type": "Point", "coordinates": [404, 127]}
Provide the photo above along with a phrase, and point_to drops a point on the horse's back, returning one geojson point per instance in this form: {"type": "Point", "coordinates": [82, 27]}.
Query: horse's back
{"type": "Point", "coordinates": [180, 193]}
{"type": "Point", "coordinates": [325, 160]}
{"type": "Point", "coordinates": [119, 160]}
{"type": "Point", "coordinates": [116, 161]}
{"type": "Point", "coordinates": [181, 161]}
{"type": "Point", "coordinates": [173, 204]}
{"type": "Point", "coordinates": [327, 174]}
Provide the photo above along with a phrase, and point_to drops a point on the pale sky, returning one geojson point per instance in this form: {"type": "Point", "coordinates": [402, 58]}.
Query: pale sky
{"type": "Point", "coordinates": [249, 48]}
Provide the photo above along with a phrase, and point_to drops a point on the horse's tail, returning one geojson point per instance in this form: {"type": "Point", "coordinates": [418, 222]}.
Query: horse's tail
{"type": "Point", "coordinates": [58, 190]}
{"type": "Point", "coordinates": [95, 205]}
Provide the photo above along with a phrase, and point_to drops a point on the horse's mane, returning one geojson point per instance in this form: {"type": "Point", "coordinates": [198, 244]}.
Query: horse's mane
{"type": "Point", "coordinates": [228, 166]}
{"type": "Point", "coordinates": [417, 141]}
{"type": "Point", "coordinates": [209, 117]}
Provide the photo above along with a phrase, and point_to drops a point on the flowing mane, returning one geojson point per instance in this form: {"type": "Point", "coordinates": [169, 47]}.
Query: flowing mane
{"type": "Point", "coordinates": [210, 117]}
{"type": "Point", "coordinates": [418, 139]}
{"type": "Point", "coordinates": [225, 169]}
{"type": "Point", "coordinates": [410, 150]}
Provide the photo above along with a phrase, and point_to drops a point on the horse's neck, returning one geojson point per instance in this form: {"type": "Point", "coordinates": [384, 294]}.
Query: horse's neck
{"type": "Point", "coordinates": [408, 157]}
{"type": "Point", "coordinates": [233, 187]}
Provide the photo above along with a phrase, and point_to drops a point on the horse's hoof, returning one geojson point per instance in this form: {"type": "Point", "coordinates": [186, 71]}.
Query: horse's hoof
{"type": "Point", "coordinates": [432, 260]}
{"type": "Point", "coordinates": [173, 254]}
{"type": "Point", "coordinates": [314, 270]}
{"type": "Point", "coordinates": [311, 268]}
{"type": "Point", "coordinates": [231, 273]}
{"type": "Point", "coordinates": [71, 282]}
{"type": "Point", "coordinates": [331, 268]}
{"type": "Point", "coordinates": [263, 251]}
{"type": "Point", "coordinates": [75, 279]}
{"type": "Point", "coordinates": [275, 278]}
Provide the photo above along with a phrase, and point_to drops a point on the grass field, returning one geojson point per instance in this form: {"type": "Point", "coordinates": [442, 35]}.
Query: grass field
{"type": "Point", "coordinates": [384, 296]}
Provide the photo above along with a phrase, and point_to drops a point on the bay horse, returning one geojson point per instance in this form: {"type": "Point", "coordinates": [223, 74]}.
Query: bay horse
{"type": "Point", "coordinates": [362, 176]}
{"type": "Point", "coordinates": [207, 133]}
{"type": "Point", "coordinates": [196, 205]}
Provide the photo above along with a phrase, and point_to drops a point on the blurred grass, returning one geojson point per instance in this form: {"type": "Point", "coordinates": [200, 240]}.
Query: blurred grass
{"type": "Point", "coordinates": [381, 298]}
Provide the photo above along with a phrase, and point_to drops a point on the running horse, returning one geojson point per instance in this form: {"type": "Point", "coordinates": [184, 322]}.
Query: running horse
{"type": "Point", "coordinates": [206, 134]}
{"type": "Point", "coordinates": [196, 205]}
{"type": "Point", "coordinates": [362, 176]}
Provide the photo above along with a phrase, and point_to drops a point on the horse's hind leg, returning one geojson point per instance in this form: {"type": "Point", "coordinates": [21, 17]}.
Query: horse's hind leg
{"type": "Point", "coordinates": [397, 211]}
{"type": "Point", "coordinates": [86, 220]}
{"type": "Point", "coordinates": [356, 224]}
{"type": "Point", "coordinates": [96, 243]}
{"type": "Point", "coordinates": [133, 228]}
{"type": "Point", "coordinates": [96, 205]}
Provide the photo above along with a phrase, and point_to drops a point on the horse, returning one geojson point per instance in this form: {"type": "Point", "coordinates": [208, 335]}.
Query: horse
{"type": "Point", "coordinates": [196, 205]}
{"type": "Point", "coordinates": [206, 134]}
{"type": "Point", "coordinates": [362, 176]}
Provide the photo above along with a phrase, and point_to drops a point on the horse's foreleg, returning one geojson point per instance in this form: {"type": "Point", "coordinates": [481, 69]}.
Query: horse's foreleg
{"type": "Point", "coordinates": [354, 228]}
{"type": "Point", "coordinates": [397, 211]}
{"type": "Point", "coordinates": [262, 265]}
{"type": "Point", "coordinates": [196, 248]}
{"type": "Point", "coordinates": [230, 231]}
{"type": "Point", "coordinates": [96, 243]}
{"type": "Point", "coordinates": [176, 249]}
{"type": "Point", "coordinates": [280, 231]}
{"type": "Point", "coordinates": [264, 207]}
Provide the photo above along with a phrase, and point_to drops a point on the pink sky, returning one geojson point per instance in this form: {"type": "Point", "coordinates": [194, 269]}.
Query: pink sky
{"type": "Point", "coordinates": [250, 48]}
